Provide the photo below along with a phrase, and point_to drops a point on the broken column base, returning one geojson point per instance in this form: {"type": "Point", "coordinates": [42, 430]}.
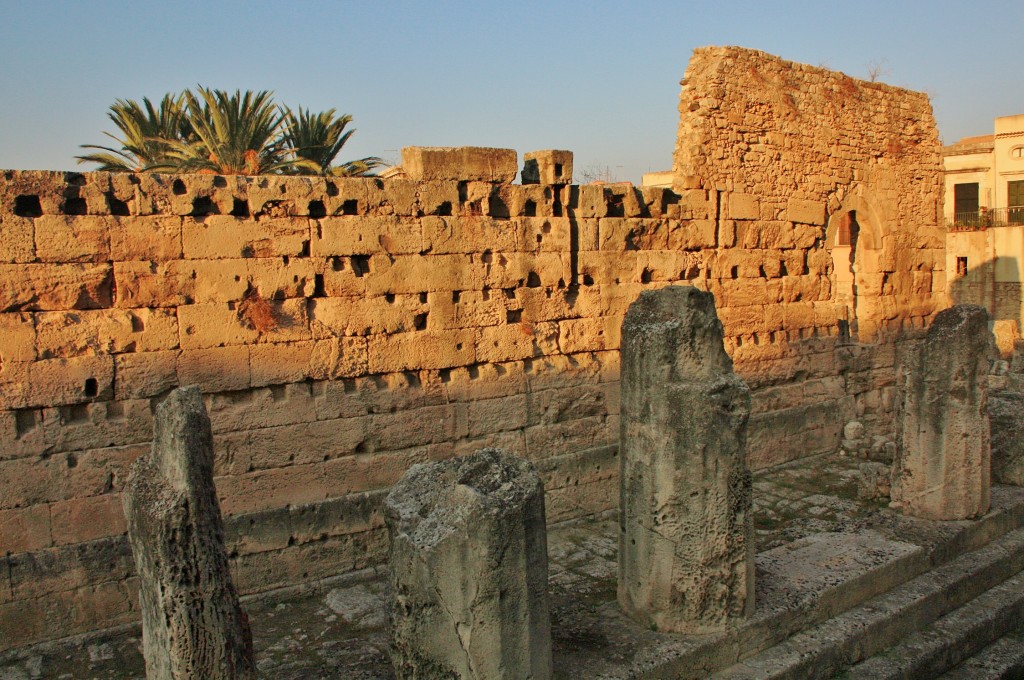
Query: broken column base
{"type": "Point", "coordinates": [468, 560]}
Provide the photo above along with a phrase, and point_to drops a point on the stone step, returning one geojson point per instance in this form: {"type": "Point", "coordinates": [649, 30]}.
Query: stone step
{"type": "Point", "coordinates": [822, 650]}
{"type": "Point", "coordinates": [1001, 660]}
{"type": "Point", "coordinates": [951, 639]}
{"type": "Point", "coordinates": [818, 578]}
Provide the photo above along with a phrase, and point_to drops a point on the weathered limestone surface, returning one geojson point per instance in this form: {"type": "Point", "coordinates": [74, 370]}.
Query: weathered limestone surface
{"type": "Point", "coordinates": [942, 470]}
{"type": "Point", "coordinates": [686, 551]}
{"type": "Point", "coordinates": [472, 163]}
{"type": "Point", "coordinates": [1006, 419]}
{"type": "Point", "coordinates": [192, 624]}
{"type": "Point", "coordinates": [468, 561]}
{"type": "Point", "coordinates": [552, 166]}
{"type": "Point", "coordinates": [410, 320]}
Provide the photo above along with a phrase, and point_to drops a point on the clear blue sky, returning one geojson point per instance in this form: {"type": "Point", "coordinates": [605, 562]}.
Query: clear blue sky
{"type": "Point", "coordinates": [598, 78]}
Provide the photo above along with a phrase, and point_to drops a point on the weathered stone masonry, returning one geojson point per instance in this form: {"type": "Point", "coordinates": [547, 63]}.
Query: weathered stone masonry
{"type": "Point", "coordinates": [342, 330]}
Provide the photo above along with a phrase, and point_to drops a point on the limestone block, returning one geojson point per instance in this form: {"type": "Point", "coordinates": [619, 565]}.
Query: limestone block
{"type": "Point", "coordinates": [943, 467]}
{"type": "Point", "coordinates": [686, 547]}
{"type": "Point", "coordinates": [467, 234]}
{"type": "Point", "coordinates": [218, 369]}
{"type": "Point", "coordinates": [154, 284]}
{"type": "Point", "coordinates": [421, 273]}
{"type": "Point", "coordinates": [17, 338]}
{"type": "Point", "coordinates": [224, 236]}
{"type": "Point", "coordinates": [192, 623]}
{"type": "Point", "coordinates": [692, 235]}
{"type": "Point", "coordinates": [805, 212]}
{"type": "Point", "coordinates": [421, 349]}
{"type": "Point", "coordinates": [146, 238]}
{"type": "Point", "coordinates": [372, 315]}
{"type": "Point", "coordinates": [144, 374]}
{"type": "Point", "coordinates": [17, 238]}
{"type": "Point", "coordinates": [25, 529]}
{"type": "Point", "coordinates": [73, 238]}
{"type": "Point", "coordinates": [438, 197]}
{"type": "Point", "coordinates": [590, 200]}
{"type": "Point", "coordinates": [543, 233]}
{"type": "Point", "coordinates": [29, 287]}
{"type": "Point", "coordinates": [547, 167]}
{"type": "Point", "coordinates": [87, 519]}
{"type": "Point", "coordinates": [105, 331]}
{"type": "Point", "coordinates": [468, 561]}
{"type": "Point", "coordinates": [366, 235]}
{"type": "Point", "coordinates": [739, 206]}
{"type": "Point", "coordinates": [472, 163]}
{"type": "Point", "coordinates": [507, 343]}
{"type": "Point", "coordinates": [1006, 416]}
{"type": "Point", "coordinates": [339, 358]}
{"type": "Point", "coordinates": [466, 309]}
{"type": "Point", "coordinates": [618, 234]}
{"type": "Point", "coordinates": [74, 380]}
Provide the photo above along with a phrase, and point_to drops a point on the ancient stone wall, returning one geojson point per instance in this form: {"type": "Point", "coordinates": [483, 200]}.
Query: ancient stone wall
{"type": "Point", "coordinates": [826, 193]}
{"type": "Point", "coordinates": [342, 330]}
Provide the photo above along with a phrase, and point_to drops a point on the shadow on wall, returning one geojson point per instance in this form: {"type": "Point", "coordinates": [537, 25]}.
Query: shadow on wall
{"type": "Point", "coordinates": [996, 286]}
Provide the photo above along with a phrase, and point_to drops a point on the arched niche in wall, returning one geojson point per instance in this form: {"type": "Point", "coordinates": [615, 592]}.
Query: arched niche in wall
{"type": "Point", "coordinates": [853, 237]}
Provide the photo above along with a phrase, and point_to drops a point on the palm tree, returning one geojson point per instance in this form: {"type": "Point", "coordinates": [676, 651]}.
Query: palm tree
{"type": "Point", "coordinates": [319, 137]}
{"type": "Point", "coordinates": [235, 134]}
{"type": "Point", "coordinates": [145, 131]}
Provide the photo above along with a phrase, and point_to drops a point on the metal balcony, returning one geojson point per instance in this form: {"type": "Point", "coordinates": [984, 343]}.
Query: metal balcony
{"type": "Point", "coordinates": [986, 218]}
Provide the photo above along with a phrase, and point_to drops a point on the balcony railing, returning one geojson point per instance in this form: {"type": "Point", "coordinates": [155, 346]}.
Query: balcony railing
{"type": "Point", "coordinates": [985, 218]}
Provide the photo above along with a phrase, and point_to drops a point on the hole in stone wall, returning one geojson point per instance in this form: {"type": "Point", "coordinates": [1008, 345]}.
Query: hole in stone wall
{"type": "Point", "coordinates": [24, 422]}
{"type": "Point", "coordinates": [456, 296]}
{"type": "Point", "coordinates": [91, 388]}
{"type": "Point", "coordinates": [474, 372]}
{"type": "Point", "coordinates": [527, 365]}
{"type": "Point", "coordinates": [444, 210]}
{"type": "Point", "coordinates": [71, 460]}
{"type": "Point", "coordinates": [645, 275]}
{"type": "Point", "coordinates": [337, 264]}
{"type": "Point", "coordinates": [318, 286]}
{"type": "Point", "coordinates": [178, 187]}
{"type": "Point", "coordinates": [734, 272]}
{"type": "Point", "coordinates": [412, 378]}
{"type": "Point", "coordinates": [219, 182]}
{"type": "Point", "coordinates": [533, 280]}
{"type": "Point", "coordinates": [349, 385]}
{"type": "Point", "coordinates": [588, 280]}
{"type": "Point", "coordinates": [278, 392]}
{"type": "Point", "coordinates": [530, 209]}
{"type": "Point", "coordinates": [514, 316]}
{"type": "Point", "coordinates": [615, 206]}
{"type": "Point", "coordinates": [204, 205]}
{"type": "Point", "coordinates": [332, 189]}
{"type": "Point", "coordinates": [423, 298]}
{"type": "Point", "coordinates": [558, 169]}
{"type": "Point", "coordinates": [350, 207]}
{"type": "Point", "coordinates": [389, 298]}
{"type": "Point", "coordinates": [138, 324]}
{"type": "Point", "coordinates": [75, 206]}
{"type": "Point", "coordinates": [445, 374]}
{"type": "Point", "coordinates": [76, 413]}
{"type": "Point", "coordinates": [487, 257]}
{"type": "Point", "coordinates": [782, 268]}
{"type": "Point", "coordinates": [117, 206]}
{"type": "Point", "coordinates": [496, 207]}
{"type": "Point", "coordinates": [27, 206]}
{"type": "Point", "coordinates": [304, 252]}
{"type": "Point", "coordinates": [361, 264]}
{"type": "Point", "coordinates": [419, 322]}
{"type": "Point", "coordinates": [317, 210]}
{"type": "Point", "coordinates": [240, 208]}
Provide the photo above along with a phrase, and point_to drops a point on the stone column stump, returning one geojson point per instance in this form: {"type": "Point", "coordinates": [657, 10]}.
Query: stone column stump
{"type": "Point", "coordinates": [943, 468]}
{"type": "Point", "coordinates": [686, 560]}
{"type": "Point", "coordinates": [468, 560]}
{"type": "Point", "coordinates": [192, 624]}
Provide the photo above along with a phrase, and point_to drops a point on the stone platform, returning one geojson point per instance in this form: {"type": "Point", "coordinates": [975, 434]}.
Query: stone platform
{"type": "Point", "coordinates": [826, 560]}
